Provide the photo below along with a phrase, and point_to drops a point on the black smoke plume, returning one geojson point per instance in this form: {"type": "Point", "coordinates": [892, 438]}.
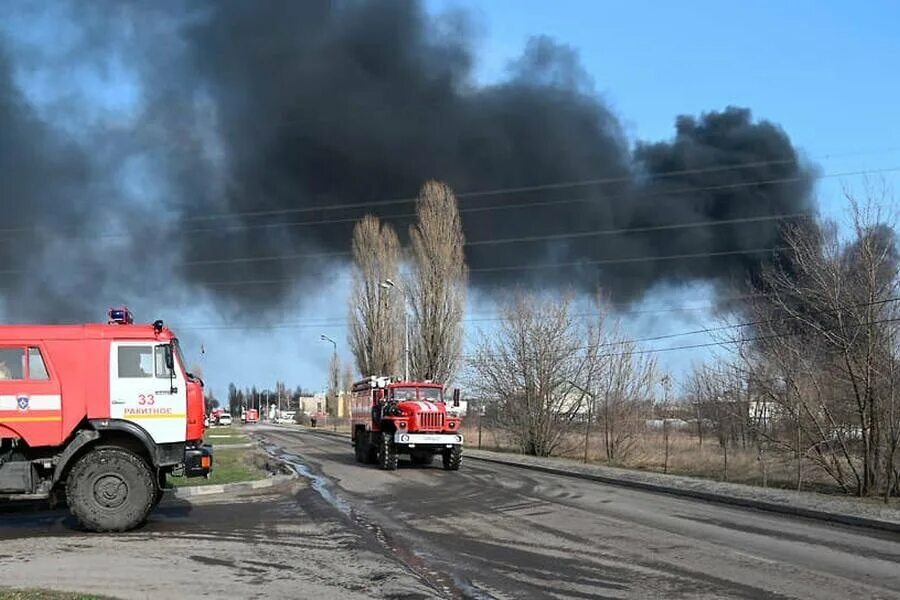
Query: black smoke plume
{"type": "Point", "coordinates": [257, 119]}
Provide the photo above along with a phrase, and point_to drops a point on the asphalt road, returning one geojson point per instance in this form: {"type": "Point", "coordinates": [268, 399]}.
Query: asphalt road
{"type": "Point", "coordinates": [282, 542]}
{"type": "Point", "coordinates": [503, 532]}
{"type": "Point", "coordinates": [345, 530]}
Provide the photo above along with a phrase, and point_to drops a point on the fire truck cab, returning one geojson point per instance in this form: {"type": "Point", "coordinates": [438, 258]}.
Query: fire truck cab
{"type": "Point", "coordinates": [99, 413]}
{"type": "Point", "coordinates": [391, 417]}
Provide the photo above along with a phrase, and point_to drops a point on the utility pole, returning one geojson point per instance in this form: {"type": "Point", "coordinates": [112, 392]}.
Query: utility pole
{"type": "Point", "coordinates": [336, 382]}
{"type": "Point", "coordinates": [590, 418]}
{"type": "Point", "coordinates": [388, 284]}
{"type": "Point", "coordinates": [480, 417]}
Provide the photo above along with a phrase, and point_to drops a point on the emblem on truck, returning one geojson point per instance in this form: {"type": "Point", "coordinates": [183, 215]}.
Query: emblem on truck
{"type": "Point", "coordinates": [22, 401]}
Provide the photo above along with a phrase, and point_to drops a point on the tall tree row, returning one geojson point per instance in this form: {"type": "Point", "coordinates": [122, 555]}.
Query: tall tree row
{"type": "Point", "coordinates": [437, 284]}
{"type": "Point", "coordinates": [376, 311]}
{"type": "Point", "coordinates": [432, 292]}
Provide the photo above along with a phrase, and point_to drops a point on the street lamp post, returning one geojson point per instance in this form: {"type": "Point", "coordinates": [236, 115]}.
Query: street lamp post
{"type": "Point", "coordinates": [389, 285]}
{"type": "Point", "coordinates": [325, 338]}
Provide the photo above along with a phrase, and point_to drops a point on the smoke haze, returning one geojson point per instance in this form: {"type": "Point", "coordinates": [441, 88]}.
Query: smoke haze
{"type": "Point", "coordinates": [251, 121]}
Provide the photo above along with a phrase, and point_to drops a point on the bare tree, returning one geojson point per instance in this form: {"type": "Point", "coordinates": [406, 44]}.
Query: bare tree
{"type": "Point", "coordinates": [333, 394]}
{"type": "Point", "coordinates": [625, 392]}
{"type": "Point", "coordinates": [665, 411]}
{"type": "Point", "coordinates": [534, 369]}
{"type": "Point", "coordinates": [376, 317]}
{"type": "Point", "coordinates": [825, 352]}
{"type": "Point", "coordinates": [347, 380]}
{"type": "Point", "coordinates": [437, 286]}
{"type": "Point", "coordinates": [716, 393]}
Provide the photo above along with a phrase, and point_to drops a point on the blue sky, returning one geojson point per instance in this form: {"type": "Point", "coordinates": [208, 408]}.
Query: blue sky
{"type": "Point", "coordinates": [826, 72]}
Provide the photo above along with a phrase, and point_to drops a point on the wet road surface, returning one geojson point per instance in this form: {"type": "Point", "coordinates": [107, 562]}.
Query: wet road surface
{"type": "Point", "coordinates": [505, 532]}
{"type": "Point", "coordinates": [345, 530]}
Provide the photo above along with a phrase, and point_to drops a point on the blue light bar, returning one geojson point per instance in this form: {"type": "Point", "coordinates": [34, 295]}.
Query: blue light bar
{"type": "Point", "coordinates": [120, 316]}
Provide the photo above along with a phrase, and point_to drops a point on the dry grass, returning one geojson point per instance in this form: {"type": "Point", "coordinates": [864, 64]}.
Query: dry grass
{"type": "Point", "coordinates": [686, 457]}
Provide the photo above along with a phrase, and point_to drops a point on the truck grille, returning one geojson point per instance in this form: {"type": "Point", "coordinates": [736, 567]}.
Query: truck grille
{"type": "Point", "coordinates": [431, 421]}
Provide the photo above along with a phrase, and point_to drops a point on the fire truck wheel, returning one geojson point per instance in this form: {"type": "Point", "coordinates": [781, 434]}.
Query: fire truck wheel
{"type": "Point", "coordinates": [359, 448]}
{"type": "Point", "coordinates": [371, 454]}
{"type": "Point", "coordinates": [387, 454]}
{"type": "Point", "coordinates": [110, 489]}
{"type": "Point", "coordinates": [452, 458]}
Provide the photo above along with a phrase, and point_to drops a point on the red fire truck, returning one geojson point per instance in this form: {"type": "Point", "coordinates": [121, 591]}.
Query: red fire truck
{"type": "Point", "coordinates": [390, 418]}
{"type": "Point", "coordinates": [250, 415]}
{"type": "Point", "coordinates": [100, 413]}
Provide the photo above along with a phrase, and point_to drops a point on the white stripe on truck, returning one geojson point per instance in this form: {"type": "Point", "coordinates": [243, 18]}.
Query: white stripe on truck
{"type": "Point", "coordinates": [35, 402]}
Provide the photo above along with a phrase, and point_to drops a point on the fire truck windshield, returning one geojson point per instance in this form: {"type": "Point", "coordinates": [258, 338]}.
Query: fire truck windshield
{"type": "Point", "coordinates": [431, 394]}
{"type": "Point", "coordinates": [181, 358]}
{"type": "Point", "coordinates": [403, 393]}
{"type": "Point", "coordinates": [424, 393]}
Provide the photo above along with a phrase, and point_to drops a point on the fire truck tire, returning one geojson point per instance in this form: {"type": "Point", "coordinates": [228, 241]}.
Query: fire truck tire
{"type": "Point", "coordinates": [360, 448]}
{"type": "Point", "coordinates": [370, 450]}
{"type": "Point", "coordinates": [371, 454]}
{"type": "Point", "coordinates": [387, 454]}
{"type": "Point", "coordinates": [110, 489]}
{"type": "Point", "coordinates": [452, 458]}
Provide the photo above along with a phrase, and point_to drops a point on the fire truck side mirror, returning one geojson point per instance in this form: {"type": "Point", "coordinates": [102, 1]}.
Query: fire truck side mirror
{"type": "Point", "coordinates": [170, 358]}
{"type": "Point", "coordinates": [455, 397]}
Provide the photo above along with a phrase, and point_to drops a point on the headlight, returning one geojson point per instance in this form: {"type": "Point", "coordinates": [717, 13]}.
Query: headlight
{"type": "Point", "coordinates": [459, 439]}
{"type": "Point", "coordinates": [452, 425]}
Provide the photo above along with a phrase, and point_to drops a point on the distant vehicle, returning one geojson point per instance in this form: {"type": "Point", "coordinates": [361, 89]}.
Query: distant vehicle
{"type": "Point", "coordinates": [251, 415]}
{"type": "Point", "coordinates": [224, 420]}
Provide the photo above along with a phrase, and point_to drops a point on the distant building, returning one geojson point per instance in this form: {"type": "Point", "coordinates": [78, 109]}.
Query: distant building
{"type": "Point", "coordinates": [762, 411]}
{"type": "Point", "coordinates": [312, 405]}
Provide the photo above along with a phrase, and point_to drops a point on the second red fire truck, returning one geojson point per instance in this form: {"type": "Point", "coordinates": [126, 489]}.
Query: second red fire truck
{"type": "Point", "coordinates": [391, 417]}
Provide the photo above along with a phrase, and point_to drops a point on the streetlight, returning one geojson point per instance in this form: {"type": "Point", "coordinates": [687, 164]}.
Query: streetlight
{"type": "Point", "coordinates": [325, 338]}
{"type": "Point", "coordinates": [389, 285]}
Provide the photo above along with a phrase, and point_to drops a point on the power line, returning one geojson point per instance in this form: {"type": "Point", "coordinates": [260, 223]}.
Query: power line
{"type": "Point", "coordinates": [744, 340]}
{"type": "Point", "coordinates": [636, 259]}
{"type": "Point", "coordinates": [554, 202]}
{"type": "Point", "coordinates": [342, 322]}
{"type": "Point", "coordinates": [718, 343]}
{"type": "Point", "coordinates": [581, 234]}
{"type": "Point", "coordinates": [535, 238]}
{"type": "Point", "coordinates": [284, 280]}
{"type": "Point", "coordinates": [540, 187]}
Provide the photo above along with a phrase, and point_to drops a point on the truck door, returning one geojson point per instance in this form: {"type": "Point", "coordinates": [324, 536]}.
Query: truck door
{"type": "Point", "coordinates": [142, 390]}
{"type": "Point", "coordinates": [30, 401]}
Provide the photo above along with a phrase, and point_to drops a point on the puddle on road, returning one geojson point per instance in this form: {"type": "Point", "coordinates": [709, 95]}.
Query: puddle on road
{"type": "Point", "coordinates": [451, 586]}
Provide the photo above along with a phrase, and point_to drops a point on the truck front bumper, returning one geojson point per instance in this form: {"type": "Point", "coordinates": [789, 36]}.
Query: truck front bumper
{"type": "Point", "coordinates": [428, 439]}
{"type": "Point", "coordinates": [198, 460]}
